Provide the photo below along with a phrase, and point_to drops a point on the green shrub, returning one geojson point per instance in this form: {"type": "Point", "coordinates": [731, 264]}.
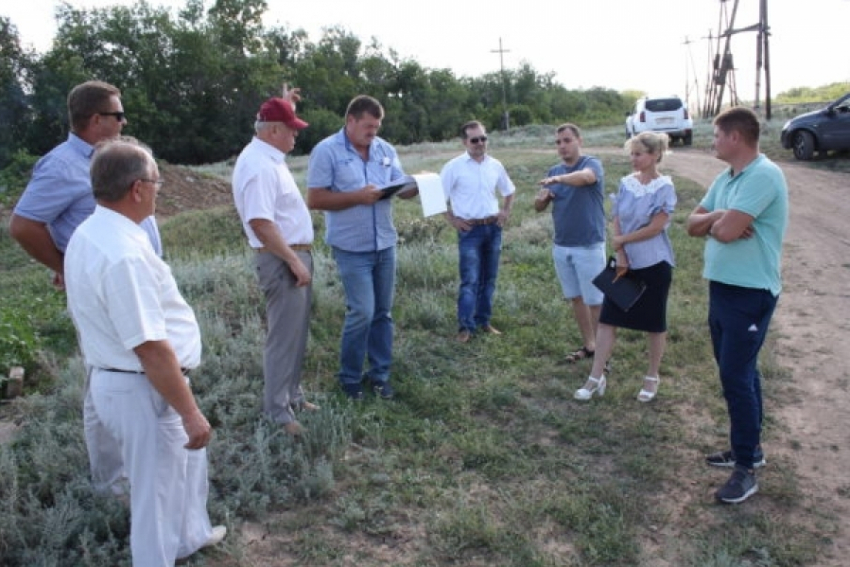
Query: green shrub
{"type": "Point", "coordinates": [19, 340]}
{"type": "Point", "coordinates": [15, 176]}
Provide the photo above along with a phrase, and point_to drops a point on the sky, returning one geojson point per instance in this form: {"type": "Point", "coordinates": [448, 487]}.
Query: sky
{"type": "Point", "coordinates": [659, 47]}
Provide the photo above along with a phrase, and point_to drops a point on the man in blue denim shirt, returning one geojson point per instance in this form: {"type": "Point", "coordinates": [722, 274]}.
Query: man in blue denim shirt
{"type": "Point", "coordinates": [343, 177]}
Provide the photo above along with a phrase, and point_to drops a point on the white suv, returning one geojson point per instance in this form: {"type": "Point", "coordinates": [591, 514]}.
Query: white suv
{"type": "Point", "coordinates": [666, 114]}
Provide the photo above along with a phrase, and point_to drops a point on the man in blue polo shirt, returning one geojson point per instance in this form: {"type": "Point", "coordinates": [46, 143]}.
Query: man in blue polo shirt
{"type": "Point", "coordinates": [343, 177]}
{"type": "Point", "coordinates": [57, 199]}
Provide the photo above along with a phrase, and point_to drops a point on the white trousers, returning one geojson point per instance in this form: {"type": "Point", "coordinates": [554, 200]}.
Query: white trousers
{"type": "Point", "coordinates": [168, 483]}
{"type": "Point", "coordinates": [105, 461]}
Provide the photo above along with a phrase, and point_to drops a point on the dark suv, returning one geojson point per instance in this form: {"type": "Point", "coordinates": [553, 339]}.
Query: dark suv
{"type": "Point", "coordinates": [819, 131]}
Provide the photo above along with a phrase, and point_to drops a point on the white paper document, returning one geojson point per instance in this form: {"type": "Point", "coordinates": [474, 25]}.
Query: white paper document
{"type": "Point", "coordinates": [431, 194]}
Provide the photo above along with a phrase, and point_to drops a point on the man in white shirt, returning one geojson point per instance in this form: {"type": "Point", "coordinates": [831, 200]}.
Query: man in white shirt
{"type": "Point", "coordinates": [470, 182]}
{"type": "Point", "coordinates": [140, 339]}
{"type": "Point", "coordinates": [277, 223]}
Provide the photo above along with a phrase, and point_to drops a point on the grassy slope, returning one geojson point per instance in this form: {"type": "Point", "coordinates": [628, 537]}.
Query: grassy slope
{"type": "Point", "coordinates": [484, 459]}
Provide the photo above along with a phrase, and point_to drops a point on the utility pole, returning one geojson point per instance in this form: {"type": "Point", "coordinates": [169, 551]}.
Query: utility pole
{"type": "Point", "coordinates": [506, 119]}
{"type": "Point", "coordinates": [724, 68]}
{"type": "Point", "coordinates": [763, 58]}
{"type": "Point", "coordinates": [689, 66]}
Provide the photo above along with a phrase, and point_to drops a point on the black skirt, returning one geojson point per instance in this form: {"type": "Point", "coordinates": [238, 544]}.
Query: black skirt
{"type": "Point", "coordinates": [649, 313]}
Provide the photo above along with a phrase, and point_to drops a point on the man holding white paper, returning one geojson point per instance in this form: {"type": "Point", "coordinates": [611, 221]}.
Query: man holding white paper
{"type": "Point", "coordinates": [470, 182]}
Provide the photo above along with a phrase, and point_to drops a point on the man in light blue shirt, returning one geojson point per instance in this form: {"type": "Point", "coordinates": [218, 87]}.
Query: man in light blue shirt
{"type": "Point", "coordinates": [57, 199]}
{"type": "Point", "coordinates": [744, 215]}
{"type": "Point", "coordinates": [343, 177]}
{"type": "Point", "coordinates": [59, 195]}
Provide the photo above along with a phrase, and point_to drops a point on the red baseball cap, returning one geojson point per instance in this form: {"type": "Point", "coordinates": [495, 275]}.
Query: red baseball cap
{"type": "Point", "coordinates": [280, 110]}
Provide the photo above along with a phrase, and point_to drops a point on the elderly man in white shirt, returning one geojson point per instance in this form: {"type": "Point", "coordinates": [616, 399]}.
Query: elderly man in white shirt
{"type": "Point", "coordinates": [277, 223]}
{"type": "Point", "coordinates": [140, 338]}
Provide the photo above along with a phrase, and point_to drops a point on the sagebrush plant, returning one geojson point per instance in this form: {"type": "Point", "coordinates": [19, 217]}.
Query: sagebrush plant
{"type": "Point", "coordinates": [483, 459]}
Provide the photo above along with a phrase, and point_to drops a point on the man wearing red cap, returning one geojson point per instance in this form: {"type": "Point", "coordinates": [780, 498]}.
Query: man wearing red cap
{"type": "Point", "coordinates": [278, 225]}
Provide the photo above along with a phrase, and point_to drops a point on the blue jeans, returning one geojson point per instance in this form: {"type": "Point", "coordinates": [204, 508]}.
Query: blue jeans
{"type": "Point", "coordinates": [369, 282]}
{"type": "Point", "coordinates": [738, 318]}
{"type": "Point", "coordinates": [480, 249]}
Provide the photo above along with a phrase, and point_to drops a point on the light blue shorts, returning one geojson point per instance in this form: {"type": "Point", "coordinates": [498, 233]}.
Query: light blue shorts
{"type": "Point", "coordinates": [576, 267]}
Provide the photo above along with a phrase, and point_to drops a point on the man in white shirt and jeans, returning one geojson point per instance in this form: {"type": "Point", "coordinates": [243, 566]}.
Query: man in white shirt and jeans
{"type": "Point", "coordinates": [140, 338]}
{"type": "Point", "coordinates": [470, 182]}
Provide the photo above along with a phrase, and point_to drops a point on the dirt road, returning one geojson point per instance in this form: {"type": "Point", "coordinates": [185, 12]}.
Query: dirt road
{"type": "Point", "coordinates": [812, 323]}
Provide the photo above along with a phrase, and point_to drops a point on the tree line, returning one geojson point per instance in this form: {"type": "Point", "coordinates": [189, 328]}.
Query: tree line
{"type": "Point", "coordinates": [192, 82]}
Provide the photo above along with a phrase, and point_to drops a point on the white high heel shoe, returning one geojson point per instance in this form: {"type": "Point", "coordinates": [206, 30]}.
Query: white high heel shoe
{"type": "Point", "coordinates": [645, 395]}
{"type": "Point", "coordinates": [598, 388]}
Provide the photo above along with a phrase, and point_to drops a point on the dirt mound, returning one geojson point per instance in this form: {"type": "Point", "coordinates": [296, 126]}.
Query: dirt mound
{"type": "Point", "coordinates": [185, 189]}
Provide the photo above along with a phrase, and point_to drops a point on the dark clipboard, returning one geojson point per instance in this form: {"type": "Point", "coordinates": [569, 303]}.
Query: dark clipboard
{"type": "Point", "coordinates": [396, 185]}
{"type": "Point", "coordinates": [625, 291]}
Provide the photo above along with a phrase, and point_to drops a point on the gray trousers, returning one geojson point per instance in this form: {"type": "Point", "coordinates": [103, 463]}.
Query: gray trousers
{"type": "Point", "coordinates": [288, 325]}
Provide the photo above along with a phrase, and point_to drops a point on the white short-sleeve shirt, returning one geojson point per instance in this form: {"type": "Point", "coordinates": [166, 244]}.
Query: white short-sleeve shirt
{"type": "Point", "coordinates": [121, 295]}
{"type": "Point", "coordinates": [263, 188]}
{"type": "Point", "coordinates": [471, 185]}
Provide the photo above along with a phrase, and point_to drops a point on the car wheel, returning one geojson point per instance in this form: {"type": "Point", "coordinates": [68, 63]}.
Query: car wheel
{"type": "Point", "coordinates": [688, 139]}
{"type": "Point", "coordinates": [804, 145]}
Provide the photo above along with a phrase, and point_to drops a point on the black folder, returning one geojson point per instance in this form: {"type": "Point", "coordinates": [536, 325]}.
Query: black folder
{"type": "Point", "coordinates": [623, 291]}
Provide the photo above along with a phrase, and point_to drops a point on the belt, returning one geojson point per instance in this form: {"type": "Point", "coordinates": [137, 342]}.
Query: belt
{"type": "Point", "coordinates": [296, 247]}
{"type": "Point", "coordinates": [185, 371]}
{"type": "Point", "coordinates": [485, 220]}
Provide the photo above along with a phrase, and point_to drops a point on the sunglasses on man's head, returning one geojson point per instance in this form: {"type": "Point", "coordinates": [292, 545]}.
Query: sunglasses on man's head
{"type": "Point", "coordinates": [481, 139]}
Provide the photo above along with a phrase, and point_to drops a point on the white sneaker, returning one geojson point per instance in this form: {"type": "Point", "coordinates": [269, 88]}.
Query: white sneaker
{"type": "Point", "coordinates": [218, 533]}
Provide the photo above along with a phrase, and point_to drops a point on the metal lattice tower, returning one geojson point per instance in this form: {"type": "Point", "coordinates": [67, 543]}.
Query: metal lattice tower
{"type": "Point", "coordinates": [721, 63]}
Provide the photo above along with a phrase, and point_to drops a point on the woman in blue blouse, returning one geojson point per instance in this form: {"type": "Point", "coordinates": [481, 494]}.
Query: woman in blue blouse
{"type": "Point", "coordinates": [641, 215]}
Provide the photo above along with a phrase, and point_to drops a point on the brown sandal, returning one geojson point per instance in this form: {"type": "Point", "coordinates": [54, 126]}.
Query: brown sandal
{"type": "Point", "coordinates": [580, 354]}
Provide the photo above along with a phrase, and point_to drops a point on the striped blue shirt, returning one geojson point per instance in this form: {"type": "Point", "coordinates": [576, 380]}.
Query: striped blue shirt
{"type": "Point", "coordinates": [336, 165]}
{"type": "Point", "coordinates": [60, 194]}
{"type": "Point", "coordinates": [634, 206]}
